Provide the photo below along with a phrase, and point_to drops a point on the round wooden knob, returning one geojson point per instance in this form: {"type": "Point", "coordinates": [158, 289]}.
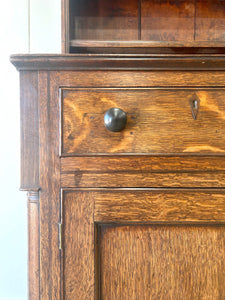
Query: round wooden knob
{"type": "Point", "coordinates": [115, 119]}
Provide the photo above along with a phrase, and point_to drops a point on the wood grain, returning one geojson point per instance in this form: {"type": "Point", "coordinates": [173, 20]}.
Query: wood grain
{"type": "Point", "coordinates": [167, 20]}
{"type": "Point", "coordinates": [142, 163]}
{"type": "Point", "coordinates": [65, 28]}
{"type": "Point", "coordinates": [34, 245]}
{"type": "Point", "coordinates": [200, 246]}
{"type": "Point", "coordinates": [141, 79]}
{"type": "Point", "coordinates": [178, 23]}
{"type": "Point", "coordinates": [155, 205]}
{"type": "Point", "coordinates": [146, 47]}
{"type": "Point", "coordinates": [156, 45]}
{"type": "Point", "coordinates": [29, 108]}
{"type": "Point", "coordinates": [159, 121]}
{"type": "Point", "coordinates": [143, 171]}
{"type": "Point", "coordinates": [105, 20]}
{"type": "Point", "coordinates": [124, 179]}
{"type": "Point", "coordinates": [162, 262]}
{"type": "Point", "coordinates": [120, 62]}
{"type": "Point", "coordinates": [49, 166]}
{"type": "Point", "coordinates": [210, 20]}
{"type": "Point", "coordinates": [78, 246]}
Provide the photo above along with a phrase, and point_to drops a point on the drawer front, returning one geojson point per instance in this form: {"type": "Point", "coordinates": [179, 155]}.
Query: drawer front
{"type": "Point", "coordinates": [159, 121]}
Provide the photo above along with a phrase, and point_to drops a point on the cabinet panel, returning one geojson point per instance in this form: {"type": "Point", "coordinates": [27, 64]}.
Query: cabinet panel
{"type": "Point", "coordinates": [210, 20]}
{"type": "Point", "coordinates": [78, 246]}
{"type": "Point", "coordinates": [167, 20]}
{"type": "Point", "coordinates": [104, 20]}
{"type": "Point", "coordinates": [162, 262]}
{"type": "Point", "coordinates": [128, 258]}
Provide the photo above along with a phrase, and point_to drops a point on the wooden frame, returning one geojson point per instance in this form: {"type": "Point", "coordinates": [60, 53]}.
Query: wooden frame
{"type": "Point", "coordinates": [65, 26]}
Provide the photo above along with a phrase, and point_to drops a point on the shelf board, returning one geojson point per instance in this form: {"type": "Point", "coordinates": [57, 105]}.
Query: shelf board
{"type": "Point", "coordinates": [146, 44]}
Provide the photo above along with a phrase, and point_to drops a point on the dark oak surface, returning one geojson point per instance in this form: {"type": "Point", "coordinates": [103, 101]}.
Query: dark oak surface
{"type": "Point", "coordinates": [105, 20]}
{"type": "Point", "coordinates": [144, 163]}
{"type": "Point", "coordinates": [78, 246]}
{"type": "Point", "coordinates": [188, 210]}
{"type": "Point", "coordinates": [143, 171]}
{"type": "Point", "coordinates": [49, 178]}
{"type": "Point", "coordinates": [167, 20]}
{"type": "Point", "coordinates": [144, 179]}
{"type": "Point", "coordinates": [119, 62]}
{"type": "Point", "coordinates": [162, 262]}
{"type": "Point", "coordinates": [158, 121]}
{"type": "Point", "coordinates": [29, 114]}
{"type": "Point", "coordinates": [181, 45]}
{"type": "Point", "coordinates": [210, 20]}
{"type": "Point", "coordinates": [144, 78]}
{"type": "Point", "coordinates": [159, 205]}
{"type": "Point", "coordinates": [141, 20]}
{"type": "Point", "coordinates": [146, 261]}
{"type": "Point", "coordinates": [142, 212]}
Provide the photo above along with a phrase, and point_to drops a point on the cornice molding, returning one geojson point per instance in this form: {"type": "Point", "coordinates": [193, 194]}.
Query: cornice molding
{"type": "Point", "coordinates": [119, 62]}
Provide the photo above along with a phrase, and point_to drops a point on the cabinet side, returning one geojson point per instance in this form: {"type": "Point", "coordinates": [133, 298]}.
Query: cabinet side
{"type": "Point", "coordinates": [29, 130]}
{"type": "Point", "coordinates": [29, 118]}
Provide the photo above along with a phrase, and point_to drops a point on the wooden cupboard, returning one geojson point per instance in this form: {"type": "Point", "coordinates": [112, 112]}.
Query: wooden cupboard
{"type": "Point", "coordinates": [138, 211]}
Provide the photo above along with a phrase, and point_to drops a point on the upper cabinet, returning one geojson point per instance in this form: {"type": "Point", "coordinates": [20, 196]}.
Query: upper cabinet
{"type": "Point", "coordinates": [137, 26]}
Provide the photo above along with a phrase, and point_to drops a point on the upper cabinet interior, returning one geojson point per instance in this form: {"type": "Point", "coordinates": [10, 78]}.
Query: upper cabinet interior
{"type": "Point", "coordinates": [100, 25]}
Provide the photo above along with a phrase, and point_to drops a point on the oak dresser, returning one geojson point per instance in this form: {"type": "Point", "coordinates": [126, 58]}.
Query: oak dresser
{"type": "Point", "coordinates": [122, 153]}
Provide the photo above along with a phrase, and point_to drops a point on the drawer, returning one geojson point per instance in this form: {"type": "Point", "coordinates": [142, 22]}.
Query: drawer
{"type": "Point", "coordinates": [159, 121]}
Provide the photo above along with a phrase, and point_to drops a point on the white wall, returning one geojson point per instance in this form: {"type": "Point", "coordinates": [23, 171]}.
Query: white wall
{"type": "Point", "coordinates": [25, 25]}
{"type": "Point", "coordinates": [45, 26]}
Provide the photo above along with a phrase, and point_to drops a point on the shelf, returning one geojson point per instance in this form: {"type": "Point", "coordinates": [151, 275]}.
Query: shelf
{"type": "Point", "coordinates": [126, 25]}
{"type": "Point", "coordinates": [146, 44]}
{"type": "Point", "coordinates": [146, 47]}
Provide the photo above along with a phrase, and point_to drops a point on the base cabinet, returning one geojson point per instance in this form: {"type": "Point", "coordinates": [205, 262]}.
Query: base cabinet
{"type": "Point", "coordinates": [131, 215]}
